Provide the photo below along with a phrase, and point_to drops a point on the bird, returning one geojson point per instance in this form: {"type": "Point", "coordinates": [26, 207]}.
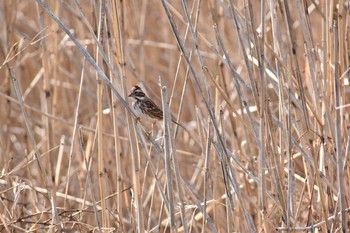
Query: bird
{"type": "Point", "coordinates": [145, 108]}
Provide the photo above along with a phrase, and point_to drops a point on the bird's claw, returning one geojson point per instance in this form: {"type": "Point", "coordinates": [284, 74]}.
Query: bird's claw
{"type": "Point", "coordinates": [148, 135]}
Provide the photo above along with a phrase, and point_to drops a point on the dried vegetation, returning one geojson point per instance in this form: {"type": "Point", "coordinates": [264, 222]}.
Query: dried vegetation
{"type": "Point", "coordinates": [261, 87]}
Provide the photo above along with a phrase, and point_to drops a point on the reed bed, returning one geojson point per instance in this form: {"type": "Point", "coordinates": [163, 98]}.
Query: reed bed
{"type": "Point", "coordinates": [261, 87]}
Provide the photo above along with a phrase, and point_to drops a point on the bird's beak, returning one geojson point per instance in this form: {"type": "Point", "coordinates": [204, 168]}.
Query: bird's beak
{"type": "Point", "coordinates": [130, 95]}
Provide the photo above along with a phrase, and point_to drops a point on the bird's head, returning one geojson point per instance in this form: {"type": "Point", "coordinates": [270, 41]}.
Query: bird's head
{"type": "Point", "coordinates": [137, 93]}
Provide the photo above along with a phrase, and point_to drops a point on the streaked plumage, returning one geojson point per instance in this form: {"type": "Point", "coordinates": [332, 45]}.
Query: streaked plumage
{"type": "Point", "coordinates": [145, 107]}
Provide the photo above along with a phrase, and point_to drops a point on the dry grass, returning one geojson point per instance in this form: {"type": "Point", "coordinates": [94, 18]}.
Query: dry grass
{"type": "Point", "coordinates": [261, 87]}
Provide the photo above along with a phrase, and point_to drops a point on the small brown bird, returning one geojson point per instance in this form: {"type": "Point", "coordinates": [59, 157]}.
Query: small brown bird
{"type": "Point", "coordinates": [145, 107]}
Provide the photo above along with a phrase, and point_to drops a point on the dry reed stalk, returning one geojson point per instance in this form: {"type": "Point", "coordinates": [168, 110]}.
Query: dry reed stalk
{"type": "Point", "coordinates": [100, 120]}
{"type": "Point", "coordinates": [260, 86]}
{"type": "Point", "coordinates": [168, 170]}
